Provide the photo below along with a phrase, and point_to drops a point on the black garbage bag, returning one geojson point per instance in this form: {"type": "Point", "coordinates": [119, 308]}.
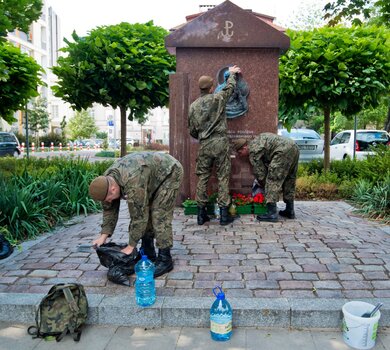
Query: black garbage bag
{"type": "Point", "coordinates": [120, 265]}
{"type": "Point", "coordinates": [6, 248]}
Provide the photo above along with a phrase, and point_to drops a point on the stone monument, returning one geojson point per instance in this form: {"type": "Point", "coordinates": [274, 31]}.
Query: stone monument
{"type": "Point", "coordinates": [207, 45]}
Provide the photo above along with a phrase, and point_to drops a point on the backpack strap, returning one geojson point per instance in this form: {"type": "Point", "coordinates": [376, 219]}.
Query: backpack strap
{"type": "Point", "coordinates": [70, 299]}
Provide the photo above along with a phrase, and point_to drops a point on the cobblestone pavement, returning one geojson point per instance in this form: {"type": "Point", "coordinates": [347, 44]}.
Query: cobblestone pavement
{"type": "Point", "coordinates": [327, 252]}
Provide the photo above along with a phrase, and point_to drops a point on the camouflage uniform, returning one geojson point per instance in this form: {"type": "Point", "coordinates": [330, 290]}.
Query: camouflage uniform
{"type": "Point", "coordinates": [149, 181]}
{"type": "Point", "coordinates": [275, 162]}
{"type": "Point", "coordinates": [207, 123]}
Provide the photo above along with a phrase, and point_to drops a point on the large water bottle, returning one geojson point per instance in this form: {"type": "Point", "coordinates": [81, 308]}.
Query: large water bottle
{"type": "Point", "coordinates": [145, 291]}
{"type": "Point", "coordinates": [221, 316]}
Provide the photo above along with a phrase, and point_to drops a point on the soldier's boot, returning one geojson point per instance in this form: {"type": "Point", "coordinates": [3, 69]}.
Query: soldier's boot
{"type": "Point", "coordinates": [289, 211]}
{"type": "Point", "coordinates": [164, 262]}
{"type": "Point", "coordinates": [271, 214]}
{"type": "Point", "coordinates": [225, 218]}
{"type": "Point", "coordinates": [202, 215]}
{"type": "Point", "coordinates": [148, 247]}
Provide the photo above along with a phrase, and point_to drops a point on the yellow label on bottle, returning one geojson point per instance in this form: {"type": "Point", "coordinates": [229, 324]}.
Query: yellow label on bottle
{"type": "Point", "coordinates": [219, 328]}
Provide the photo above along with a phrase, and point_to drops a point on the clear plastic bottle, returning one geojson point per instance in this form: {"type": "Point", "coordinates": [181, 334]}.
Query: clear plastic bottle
{"type": "Point", "coordinates": [145, 291]}
{"type": "Point", "coordinates": [221, 315]}
{"type": "Point", "coordinates": [216, 209]}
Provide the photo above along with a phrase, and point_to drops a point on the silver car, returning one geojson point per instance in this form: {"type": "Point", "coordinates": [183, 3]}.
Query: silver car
{"type": "Point", "coordinates": [309, 142]}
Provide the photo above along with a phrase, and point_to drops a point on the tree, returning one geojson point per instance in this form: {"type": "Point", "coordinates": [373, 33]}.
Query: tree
{"type": "Point", "coordinates": [18, 14]}
{"type": "Point", "coordinates": [38, 117]}
{"type": "Point", "coordinates": [19, 80]}
{"type": "Point", "coordinates": [124, 65]}
{"type": "Point", "coordinates": [338, 10]}
{"type": "Point", "coordinates": [82, 125]}
{"type": "Point", "coordinates": [334, 69]}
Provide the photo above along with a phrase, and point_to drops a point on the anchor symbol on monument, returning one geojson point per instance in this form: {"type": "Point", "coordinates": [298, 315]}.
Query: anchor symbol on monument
{"type": "Point", "coordinates": [226, 34]}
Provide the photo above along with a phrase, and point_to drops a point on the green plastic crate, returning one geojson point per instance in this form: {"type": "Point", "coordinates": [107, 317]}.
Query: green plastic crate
{"type": "Point", "coordinates": [244, 209]}
{"type": "Point", "coordinates": [191, 210]}
{"type": "Point", "coordinates": [259, 209]}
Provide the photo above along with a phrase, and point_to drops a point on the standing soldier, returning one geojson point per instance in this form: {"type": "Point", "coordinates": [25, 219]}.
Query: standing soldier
{"type": "Point", "coordinates": [149, 182]}
{"type": "Point", "coordinates": [207, 123]}
{"type": "Point", "coordinates": [275, 164]}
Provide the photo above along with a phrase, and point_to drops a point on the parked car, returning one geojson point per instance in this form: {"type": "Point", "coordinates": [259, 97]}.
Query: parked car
{"type": "Point", "coordinates": [9, 145]}
{"type": "Point", "coordinates": [309, 142]}
{"type": "Point", "coordinates": [342, 145]}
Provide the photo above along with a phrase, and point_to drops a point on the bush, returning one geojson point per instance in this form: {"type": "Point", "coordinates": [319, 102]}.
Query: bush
{"type": "Point", "coordinates": [373, 201]}
{"type": "Point", "coordinates": [39, 193]}
{"type": "Point", "coordinates": [156, 147]}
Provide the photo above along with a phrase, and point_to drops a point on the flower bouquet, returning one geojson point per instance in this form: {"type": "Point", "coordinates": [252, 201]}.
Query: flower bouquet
{"type": "Point", "coordinates": [258, 204]}
{"type": "Point", "coordinates": [243, 203]}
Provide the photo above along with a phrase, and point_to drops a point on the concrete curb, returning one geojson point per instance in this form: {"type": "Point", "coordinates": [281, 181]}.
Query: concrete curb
{"type": "Point", "coordinates": [194, 312]}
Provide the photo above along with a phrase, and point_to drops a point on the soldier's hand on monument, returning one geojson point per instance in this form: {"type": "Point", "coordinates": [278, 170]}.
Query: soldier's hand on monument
{"type": "Point", "coordinates": [235, 69]}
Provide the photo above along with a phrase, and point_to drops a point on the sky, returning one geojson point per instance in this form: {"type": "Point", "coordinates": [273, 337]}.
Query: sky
{"type": "Point", "coordinates": [84, 15]}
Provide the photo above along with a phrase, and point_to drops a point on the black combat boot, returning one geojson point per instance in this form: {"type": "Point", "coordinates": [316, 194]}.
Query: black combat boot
{"type": "Point", "coordinates": [225, 218]}
{"type": "Point", "coordinates": [289, 211]}
{"type": "Point", "coordinates": [202, 215]}
{"type": "Point", "coordinates": [148, 247]}
{"type": "Point", "coordinates": [271, 214]}
{"type": "Point", "coordinates": [164, 262]}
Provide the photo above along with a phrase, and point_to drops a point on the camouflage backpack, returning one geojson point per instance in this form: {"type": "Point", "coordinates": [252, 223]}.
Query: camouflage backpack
{"type": "Point", "coordinates": [63, 310]}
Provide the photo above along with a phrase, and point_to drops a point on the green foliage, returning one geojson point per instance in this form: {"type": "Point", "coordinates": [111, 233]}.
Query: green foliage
{"type": "Point", "coordinates": [82, 126]}
{"type": "Point", "coordinates": [101, 135]}
{"type": "Point", "coordinates": [18, 14]}
{"type": "Point", "coordinates": [124, 65]}
{"type": "Point", "coordinates": [107, 154]}
{"type": "Point", "coordinates": [343, 69]}
{"type": "Point", "coordinates": [19, 79]}
{"type": "Point", "coordinates": [373, 200]}
{"type": "Point", "coordinates": [40, 193]}
{"type": "Point", "coordinates": [338, 10]}
{"type": "Point", "coordinates": [38, 117]}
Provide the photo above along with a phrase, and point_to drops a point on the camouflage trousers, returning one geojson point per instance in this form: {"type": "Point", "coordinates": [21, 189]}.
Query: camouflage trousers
{"type": "Point", "coordinates": [160, 210]}
{"type": "Point", "coordinates": [282, 176]}
{"type": "Point", "coordinates": [213, 152]}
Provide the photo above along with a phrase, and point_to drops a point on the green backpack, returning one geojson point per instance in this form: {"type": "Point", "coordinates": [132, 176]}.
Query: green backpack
{"type": "Point", "coordinates": [63, 310]}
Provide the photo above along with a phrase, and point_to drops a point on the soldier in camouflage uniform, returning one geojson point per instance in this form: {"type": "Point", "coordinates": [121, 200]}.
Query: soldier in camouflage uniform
{"type": "Point", "coordinates": [149, 182]}
{"type": "Point", "coordinates": [207, 123]}
{"type": "Point", "coordinates": [275, 163]}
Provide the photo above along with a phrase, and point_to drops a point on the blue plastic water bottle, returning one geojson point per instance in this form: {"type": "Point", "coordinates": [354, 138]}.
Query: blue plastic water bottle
{"type": "Point", "coordinates": [145, 291]}
{"type": "Point", "coordinates": [221, 315]}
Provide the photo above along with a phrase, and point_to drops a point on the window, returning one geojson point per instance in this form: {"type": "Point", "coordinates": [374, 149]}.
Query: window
{"type": "Point", "coordinates": [345, 137]}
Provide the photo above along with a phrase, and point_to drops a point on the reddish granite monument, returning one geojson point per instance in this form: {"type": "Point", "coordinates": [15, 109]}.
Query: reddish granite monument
{"type": "Point", "coordinates": [208, 42]}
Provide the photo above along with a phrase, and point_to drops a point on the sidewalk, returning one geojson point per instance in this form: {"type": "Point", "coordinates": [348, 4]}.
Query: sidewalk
{"type": "Point", "coordinates": [15, 337]}
{"type": "Point", "coordinates": [296, 273]}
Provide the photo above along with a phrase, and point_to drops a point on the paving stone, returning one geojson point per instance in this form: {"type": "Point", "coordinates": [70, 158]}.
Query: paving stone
{"type": "Point", "coordinates": [43, 273]}
{"type": "Point", "coordinates": [296, 285]}
{"type": "Point", "coordinates": [182, 275]}
{"type": "Point", "coordinates": [305, 276]}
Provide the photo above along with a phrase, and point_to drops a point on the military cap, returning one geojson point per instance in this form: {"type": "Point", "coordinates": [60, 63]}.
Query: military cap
{"type": "Point", "coordinates": [205, 82]}
{"type": "Point", "coordinates": [98, 188]}
{"type": "Point", "coordinates": [239, 143]}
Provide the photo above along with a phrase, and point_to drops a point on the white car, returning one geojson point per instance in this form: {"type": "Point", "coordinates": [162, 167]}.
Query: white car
{"type": "Point", "coordinates": [309, 142]}
{"type": "Point", "coordinates": [342, 145]}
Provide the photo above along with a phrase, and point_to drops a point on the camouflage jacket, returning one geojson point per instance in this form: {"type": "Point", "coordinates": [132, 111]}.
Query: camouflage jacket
{"type": "Point", "coordinates": [263, 148]}
{"type": "Point", "coordinates": [207, 114]}
{"type": "Point", "coordinates": [139, 175]}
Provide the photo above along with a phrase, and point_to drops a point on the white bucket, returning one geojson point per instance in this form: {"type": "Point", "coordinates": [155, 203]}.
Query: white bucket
{"type": "Point", "coordinates": [359, 332]}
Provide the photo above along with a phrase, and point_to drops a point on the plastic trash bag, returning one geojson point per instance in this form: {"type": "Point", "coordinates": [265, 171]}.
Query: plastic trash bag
{"type": "Point", "coordinates": [120, 265]}
{"type": "Point", "coordinates": [257, 188]}
{"type": "Point", "coordinates": [6, 248]}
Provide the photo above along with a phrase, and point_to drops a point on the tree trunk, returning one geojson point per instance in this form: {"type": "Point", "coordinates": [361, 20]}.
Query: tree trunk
{"type": "Point", "coordinates": [123, 130]}
{"type": "Point", "coordinates": [326, 139]}
{"type": "Point", "coordinates": [387, 122]}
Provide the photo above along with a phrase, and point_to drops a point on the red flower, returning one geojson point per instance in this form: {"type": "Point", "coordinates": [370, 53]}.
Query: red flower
{"type": "Point", "coordinates": [259, 198]}
{"type": "Point", "coordinates": [241, 199]}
